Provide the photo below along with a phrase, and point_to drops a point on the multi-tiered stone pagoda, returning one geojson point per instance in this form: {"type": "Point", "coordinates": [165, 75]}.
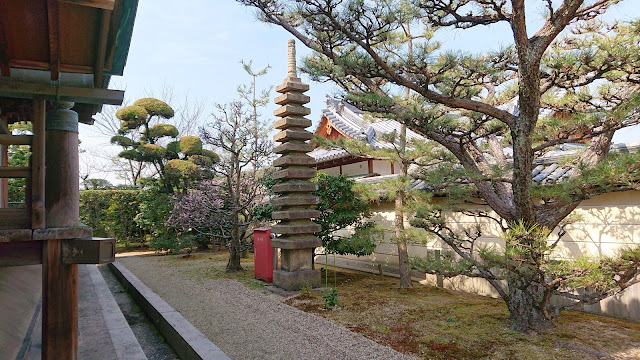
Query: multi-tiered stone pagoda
{"type": "Point", "coordinates": [296, 199]}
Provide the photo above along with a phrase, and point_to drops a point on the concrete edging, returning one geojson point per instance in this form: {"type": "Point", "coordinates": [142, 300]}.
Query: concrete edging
{"type": "Point", "coordinates": [186, 340]}
{"type": "Point", "coordinates": [124, 341]}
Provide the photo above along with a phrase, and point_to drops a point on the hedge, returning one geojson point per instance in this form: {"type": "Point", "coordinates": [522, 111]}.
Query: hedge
{"type": "Point", "coordinates": [112, 213]}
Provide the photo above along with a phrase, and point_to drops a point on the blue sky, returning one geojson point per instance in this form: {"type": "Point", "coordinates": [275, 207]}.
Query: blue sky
{"type": "Point", "coordinates": [196, 46]}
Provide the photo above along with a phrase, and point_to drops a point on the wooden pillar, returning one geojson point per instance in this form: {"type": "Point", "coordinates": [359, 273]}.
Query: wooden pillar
{"type": "Point", "coordinates": [59, 281]}
{"type": "Point", "coordinates": [38, 164]}
{"type": "Point", "coordinates": [4, 161]}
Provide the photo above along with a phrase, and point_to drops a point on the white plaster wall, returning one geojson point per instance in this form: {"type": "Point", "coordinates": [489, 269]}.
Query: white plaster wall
{"type": "Point", "coordinates": [606, 223]}
{"type": "Point", "coordinates": [383, 167]}
{"type": "Point", "coordinates": [359, 168]}
{"type": "Point", "coordinates": [332, 171]}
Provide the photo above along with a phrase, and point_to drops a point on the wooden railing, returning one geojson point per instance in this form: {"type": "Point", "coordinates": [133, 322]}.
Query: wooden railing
{"type": "Point", "coordinates": [32, 215]}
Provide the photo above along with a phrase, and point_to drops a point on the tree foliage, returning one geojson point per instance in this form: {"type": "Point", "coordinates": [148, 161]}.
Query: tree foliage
{"type": "Point", "coordinates": [178, 163]}
{"type": "Point", "coordinates": [342, 208]}
{"type": "Point", "coordinates": [18, 155]}
{"type": "Point", "coordinates": [110, 213]}
{"type": "Point", "coordinates": [573, 78]}
{"type": "Point", "coordinates": [222, 209]}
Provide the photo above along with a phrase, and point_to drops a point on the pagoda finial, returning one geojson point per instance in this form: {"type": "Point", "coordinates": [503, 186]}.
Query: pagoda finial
{"type": "Point", "coordinates": [292, 59]}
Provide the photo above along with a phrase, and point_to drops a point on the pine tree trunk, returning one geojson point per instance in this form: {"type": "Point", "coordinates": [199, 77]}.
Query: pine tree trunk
{"type": "Point", "coordinates": [401, 239]}
{"type": "Point", "coordinates": [527, 307]}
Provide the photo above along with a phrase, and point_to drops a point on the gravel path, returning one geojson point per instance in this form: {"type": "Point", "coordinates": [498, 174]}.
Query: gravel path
{"type": "Point", "coordinates": [147, 335]}
{"type": "Point", "coordinates": [253, 324]}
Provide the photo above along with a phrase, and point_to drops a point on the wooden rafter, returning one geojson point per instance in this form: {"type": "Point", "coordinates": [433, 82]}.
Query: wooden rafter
{"type": "Point", "coordinates": [101, 4]}
{"type": "Point", "coordinates": [116, 17]}
{"type": "Point", "coordinates": [101, 51]}
{"type": "Point", "coordinates": [40, 65]}
{"type": "Point", "coordinates": [5, 69]}
{"type": "Point", "coordinates": [53, 16]}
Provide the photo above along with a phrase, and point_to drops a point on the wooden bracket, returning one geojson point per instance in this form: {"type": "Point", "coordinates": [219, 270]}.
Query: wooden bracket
{"type": "Point", "coordinates": [89, 251]}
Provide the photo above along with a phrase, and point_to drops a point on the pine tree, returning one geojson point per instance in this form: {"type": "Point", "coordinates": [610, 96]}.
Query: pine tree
{"type": "Point", "coordinates": [573, 79]}
{"type": "Point", "coordinates": [178, 163]}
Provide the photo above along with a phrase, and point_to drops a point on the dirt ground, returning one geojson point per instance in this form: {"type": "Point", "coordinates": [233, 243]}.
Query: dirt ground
{"type": "Point", "coordinates": [426, 322]}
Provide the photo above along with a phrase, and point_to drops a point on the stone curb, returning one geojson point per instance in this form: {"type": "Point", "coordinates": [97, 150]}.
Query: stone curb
{"type": "Point", "coordinates": [124, 341]}
{"type": "Point", "coordinates": [187, 341]}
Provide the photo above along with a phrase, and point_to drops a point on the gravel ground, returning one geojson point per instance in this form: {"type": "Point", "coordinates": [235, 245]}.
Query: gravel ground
{"type": "Point", "coordinates": [254, 323]}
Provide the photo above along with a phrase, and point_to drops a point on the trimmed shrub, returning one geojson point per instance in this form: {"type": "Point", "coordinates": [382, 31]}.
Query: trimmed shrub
{"type": "Point", "coordinates": [191, 145]}
{"type": "Point", "coordinates": [155, 107]}
{"type": "Point", "coordinates": [112, 213]}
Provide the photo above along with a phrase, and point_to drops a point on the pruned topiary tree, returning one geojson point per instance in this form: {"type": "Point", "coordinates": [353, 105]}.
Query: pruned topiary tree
{"type": "Point", "coordinates": [178, 162]}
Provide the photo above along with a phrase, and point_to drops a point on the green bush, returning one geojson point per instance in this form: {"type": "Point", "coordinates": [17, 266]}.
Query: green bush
{"type": "Point", "coordinates": [112, 213]}
{"type": "Point", "coordinates": [155, 209]}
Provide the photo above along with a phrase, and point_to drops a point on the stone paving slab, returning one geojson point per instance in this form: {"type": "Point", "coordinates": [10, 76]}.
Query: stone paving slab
{"type": "Point", "coordinates": [124, 341]}
{"type": "Point", "coordinates": [103, 332]}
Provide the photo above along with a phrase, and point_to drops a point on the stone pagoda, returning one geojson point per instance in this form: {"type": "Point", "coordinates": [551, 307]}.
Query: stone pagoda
{"type": "Point", "coordinates": [296, 199]}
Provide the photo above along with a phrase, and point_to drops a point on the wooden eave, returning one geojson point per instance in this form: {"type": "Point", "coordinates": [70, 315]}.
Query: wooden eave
{"type": "Point", "coordinates": [56, 39]}
{"type": "Point", "coordinates": [76, 36]}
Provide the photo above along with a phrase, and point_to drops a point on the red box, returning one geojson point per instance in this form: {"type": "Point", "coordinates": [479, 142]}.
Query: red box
{"type": "Point", "coordinates": [263, 254]}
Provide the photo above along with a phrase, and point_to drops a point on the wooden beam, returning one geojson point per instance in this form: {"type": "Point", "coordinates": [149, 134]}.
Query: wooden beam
{"type": "Point", "coordinates": [89, 251]}
{"type": "Point", "coordinates": [20, 253]}
{"type": "Point", "coordinates": [15, 218]}
{"type": "Point", "coordinates": [41, 65]}
{"type": "Point", "coordinates": [101, 51]}
{"type": "Point", "coordinates": [5, 69]}
{"type": "Point", "coordinates": [23, 90]}
{"type": "Point", "coordinates": [4, 161]}
{"type": "Point", "coordinates": [15, 140]}
{"type": "Point", "coordinates": [100, 4]}
{"type": "Point", "coordinates": [4, 128]}
{"type": "Point", "coordinates": [11, 235]}
{"type": "Point", "coordinates": [53, 17]}
{"type": "Point", "coordinates": [38, 164]}
{"type": "Point", "coordinates": [14, 172]}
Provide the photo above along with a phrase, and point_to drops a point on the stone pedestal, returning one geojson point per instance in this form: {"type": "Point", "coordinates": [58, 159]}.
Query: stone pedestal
{"type": "Point", "coordinates": [296, 202]}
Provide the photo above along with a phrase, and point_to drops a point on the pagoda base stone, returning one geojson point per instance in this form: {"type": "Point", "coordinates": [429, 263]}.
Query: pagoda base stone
{"type": "Point", "coordinates": [300, 242]}
{"type": "Point", "coordinates": [296, 280]}
{"type": "Point", "coordinates": [296, 259]}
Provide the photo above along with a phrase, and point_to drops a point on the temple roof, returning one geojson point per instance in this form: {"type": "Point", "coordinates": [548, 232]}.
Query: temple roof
{"type": "Point", "coordinates": [77, 44]}
{"type": "Point", "coordinates": [351, 123]}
